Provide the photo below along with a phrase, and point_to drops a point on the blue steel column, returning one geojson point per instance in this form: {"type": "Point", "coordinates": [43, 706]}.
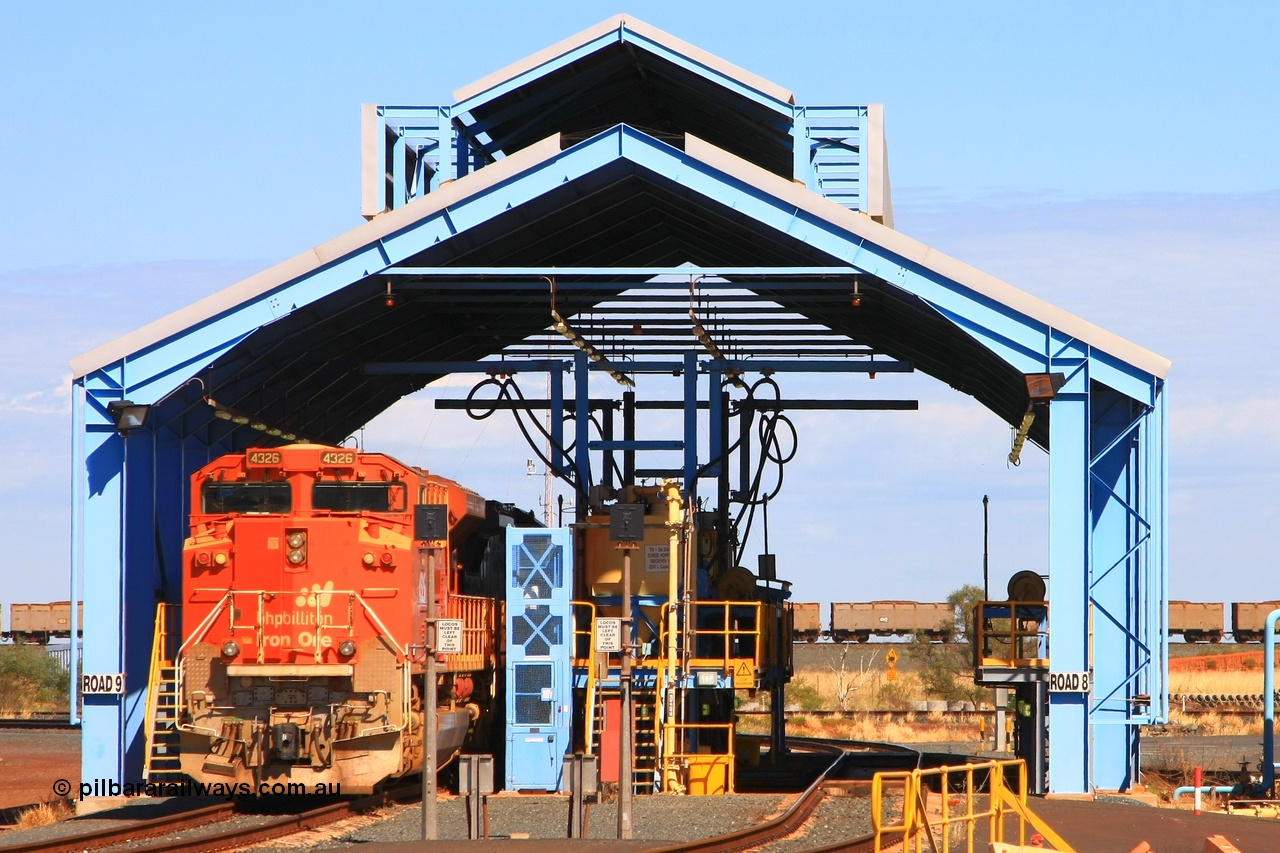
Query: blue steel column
{"type": "Point", "coordinates": [138, 613]}
{"type": "Point", "coordinates": [558, 459]}
{"type": "Point", "coordinates": [582, 434]}
{"type": "Point", "coordinates": [715, 423]}
{"type": "Point", "coordinates": [1115, 588]}
{"type": "Point", "coordinates": [78, 497]}
{"type": "Point", "coordinates": [449, 147]}
{"type": "Point", "coordinates": [1158, 489]}
{"type": "Point", "coordinates": [1069, 582]}
{"type": "Point", "coordinates": [691, 425]}
{"type": "Point", "coordinates": [100, 546]}
{"type": "Point", "coordinates": [801, 149]}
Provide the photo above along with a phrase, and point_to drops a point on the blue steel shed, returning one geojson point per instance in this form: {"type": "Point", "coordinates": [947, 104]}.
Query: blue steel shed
{"type": "Point", "coordinates": [617, 155]}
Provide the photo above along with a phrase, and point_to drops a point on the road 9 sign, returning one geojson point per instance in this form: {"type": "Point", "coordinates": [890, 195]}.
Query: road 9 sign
{"type": "Point", "coordinates": [100, 683]}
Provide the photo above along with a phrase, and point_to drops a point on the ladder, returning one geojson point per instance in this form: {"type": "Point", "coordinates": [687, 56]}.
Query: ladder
{"type": "Point", "coordinates": [646, 701]}
{"type": "Point", "coordinates": [161, 762]}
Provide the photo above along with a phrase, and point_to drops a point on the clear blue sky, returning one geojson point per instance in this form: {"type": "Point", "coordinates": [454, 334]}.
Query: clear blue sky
{"type": "Point", "coordinates": [1117, 159]}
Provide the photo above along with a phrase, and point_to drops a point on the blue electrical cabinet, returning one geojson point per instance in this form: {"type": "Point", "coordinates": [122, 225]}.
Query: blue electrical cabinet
{"type": "Point", "coordinates": [539, 671]}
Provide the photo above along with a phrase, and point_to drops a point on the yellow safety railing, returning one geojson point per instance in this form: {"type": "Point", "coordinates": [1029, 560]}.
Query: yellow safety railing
{"type": "Point", "coordinates": [943, 808]}
{"type": "Point", "coordinates": [1012, 634]}
{"type": "Point", "coordinates": [724, 635]}
{"type": "Point", "coordinates": [159, 662]}
{"type": "Point", "coordinates": [479, 633]}
{"type": "Point", "coordinates": [584, 627]}
{"type": "Point", "coordinates": [704, 754]}
{"type": "Point", "coordinates": [584, 657]}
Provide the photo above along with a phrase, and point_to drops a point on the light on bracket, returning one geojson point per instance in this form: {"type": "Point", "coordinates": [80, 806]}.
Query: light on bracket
{"type": "Point", "coordinates": [572, 335]}
{"type": "Point", "coordinates": [708, 343]}
{"type": "Point", "coordinates": [128, 416]}
{"type": "Point", "coordinates": [1041, 388]}
{"type": "Point", "coordinates": [239, 418]}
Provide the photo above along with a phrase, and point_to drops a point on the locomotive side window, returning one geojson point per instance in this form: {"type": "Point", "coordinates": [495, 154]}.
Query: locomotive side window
{"type": "Point", "coordinates": [269, 498]}
{"type": "Point", "coordinates": [358, 497]}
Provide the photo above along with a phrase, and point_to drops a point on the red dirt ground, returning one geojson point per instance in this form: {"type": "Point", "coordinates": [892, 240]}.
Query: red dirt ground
{"type": "Point", "coordinates": [31, 760]}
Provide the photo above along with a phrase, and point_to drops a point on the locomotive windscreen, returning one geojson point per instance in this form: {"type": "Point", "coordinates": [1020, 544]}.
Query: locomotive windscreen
{"type": "Point", "coordinates": [358, 497]}
{"type": "Point", "coordinates": [268, 498]}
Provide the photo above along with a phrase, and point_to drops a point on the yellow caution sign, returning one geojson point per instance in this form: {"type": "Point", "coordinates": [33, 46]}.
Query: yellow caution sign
{"type": "Point", "coordinates": [743, 669]}
{"type": "Point", "coordinates": [892, 660]}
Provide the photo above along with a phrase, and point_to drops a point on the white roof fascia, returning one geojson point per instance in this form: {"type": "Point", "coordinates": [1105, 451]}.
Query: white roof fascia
{"type": "Point", "coordinates": [915, 251]}
{"type": "Point", "coordinates": [298, 266]}
{"type": "Point", "coordinates": [640, 28]}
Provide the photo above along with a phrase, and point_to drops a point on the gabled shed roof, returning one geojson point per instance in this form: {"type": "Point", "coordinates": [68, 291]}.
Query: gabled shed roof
{"type": "Point", "coordinates": [621, 199]}
{"type": "Point", "coordinates": [623, 71]}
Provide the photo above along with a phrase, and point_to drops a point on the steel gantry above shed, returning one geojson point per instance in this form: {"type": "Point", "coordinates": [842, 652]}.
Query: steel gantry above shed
{"type": "Point", "coordinates": [624, 181]}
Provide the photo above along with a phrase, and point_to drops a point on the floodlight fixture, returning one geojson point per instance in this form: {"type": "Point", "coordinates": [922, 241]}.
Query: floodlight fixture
{"type": "Point", "coordinates": [127, 415]}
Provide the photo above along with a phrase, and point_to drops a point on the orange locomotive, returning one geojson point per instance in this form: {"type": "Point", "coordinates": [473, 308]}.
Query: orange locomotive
{"type": "Point", "coordinates": [304, 606]}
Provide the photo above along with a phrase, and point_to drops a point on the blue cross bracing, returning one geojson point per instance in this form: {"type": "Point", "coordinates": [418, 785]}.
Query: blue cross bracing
{"type": "Point", "coordinates": [626, 178]}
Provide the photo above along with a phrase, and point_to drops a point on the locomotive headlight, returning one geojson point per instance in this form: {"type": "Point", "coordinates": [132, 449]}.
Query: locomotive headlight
{"type": "Point", "coordinates": [367, 559]}
{"type": "Point", "coordinates": [297, 539]}
{"type": "Point", "coordinates": [297, 557]}
{"type": "Point", "coordinates": [346, 648]}
{"type": "Point", "coordinates": [202, 559]}
{"type": "Point", "coordinates": [230, 648]}
{"type": "Point", "coordinates": [219, 559]}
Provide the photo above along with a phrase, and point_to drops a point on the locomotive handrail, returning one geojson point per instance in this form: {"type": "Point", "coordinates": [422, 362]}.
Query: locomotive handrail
{"type": "Point", "coordinates": [229, 595]}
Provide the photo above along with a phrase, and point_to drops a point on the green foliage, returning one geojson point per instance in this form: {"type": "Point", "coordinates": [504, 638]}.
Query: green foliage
{"type": "Point", "coordinates": [805, 695]}
{"type": "Point", "coordinates": [964, 601]}
{"type": "Point", "coordinates": [30, 678]}
{"type": "Point", "coordinates": [946, 669]}
{"type": "Point", "coordinates": [893, 696]}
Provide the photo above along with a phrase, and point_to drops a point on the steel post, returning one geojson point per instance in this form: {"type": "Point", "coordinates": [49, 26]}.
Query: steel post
{"type": "Point", "coordinates": [626, 775]}
{"type": "Point", "coordinates": [430, 817]}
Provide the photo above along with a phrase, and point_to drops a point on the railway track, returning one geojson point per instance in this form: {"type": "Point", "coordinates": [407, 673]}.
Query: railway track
{"type": "Point", "coordinates": [242, 836]}
{"type": "Point", "coordinates": [848, 760]}
{"type": "Point", "coordinates": [44, 721]}
{"type": "Point", "coordinates": [790, 821]}
{"type": "Point", "coordinates": [751, 838]}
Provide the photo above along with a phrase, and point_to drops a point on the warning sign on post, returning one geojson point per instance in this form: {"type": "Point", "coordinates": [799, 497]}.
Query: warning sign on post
{"type": "Point", "coordinates": [608, 635]}
{"type": "Point", "coordinates": [449, 636]}
{"type": "Point", "coordinates": [657, 558]}
{"type": "Point", "coordinates": [1069, 682]}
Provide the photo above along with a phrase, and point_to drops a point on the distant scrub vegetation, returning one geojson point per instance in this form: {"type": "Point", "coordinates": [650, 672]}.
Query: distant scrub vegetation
{"type": "Point", "coordinates": [30, 681]}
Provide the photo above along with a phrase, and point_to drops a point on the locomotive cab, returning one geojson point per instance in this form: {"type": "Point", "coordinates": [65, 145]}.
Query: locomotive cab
{"type": "Point", "coordinates": [304, 605]}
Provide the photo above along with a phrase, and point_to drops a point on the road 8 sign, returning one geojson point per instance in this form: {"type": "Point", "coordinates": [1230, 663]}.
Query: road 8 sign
{"type": "Point", "coordinates": [1070, 682]}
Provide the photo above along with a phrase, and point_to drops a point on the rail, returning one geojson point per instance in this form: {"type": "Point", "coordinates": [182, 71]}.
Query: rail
{"type": "Point", "coordinates": [242, 836]}
{"type": "Point", "coordinates": [968, 796]}
{"type": "Point", "coordinates": [780, 827]}
{"type": "Point", "coordinates": [1012, 634]}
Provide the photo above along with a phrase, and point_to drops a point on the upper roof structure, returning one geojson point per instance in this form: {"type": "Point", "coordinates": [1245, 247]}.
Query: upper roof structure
{"type": "Point", "coordinates": [623, 71]}
{"type": "Point", "coordinates": [470, 261]}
